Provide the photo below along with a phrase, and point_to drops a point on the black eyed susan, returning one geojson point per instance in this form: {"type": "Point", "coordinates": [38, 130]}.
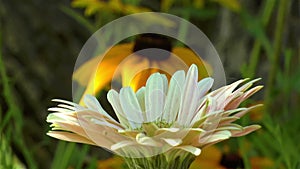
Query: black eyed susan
{"type": "Point", "coordinates": [132, 63]}
{"type": "Point", "coordinates": [161, 125]}
{"type": "Point", "coordinates": [213, 157]}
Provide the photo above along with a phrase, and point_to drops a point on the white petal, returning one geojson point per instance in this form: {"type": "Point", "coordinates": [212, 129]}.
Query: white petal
{"type": "Point", "coordinates": [61, 117]}
{"type": "Point", "coordinates": [204, 85]}
{"type": "Point", "coordinates": [246, 130]}
{"type": "Point", "coordinates": [140, 95]}
{"type": "Point", "coordinates": [67, 107]}
{"type": "Point", "coordinates": [92, 103]}
{"type": "Point", "coordinates": [190, 97]}
{"type": "Point", "coordinates": [172, 129]}
{"type": "Point", "coordinates": [121, 144]}
{"type": "Point", "coordinates": [172, 142]}
{"type": "Point", "coordinates": [148, 141]}
{"type": "Point", "coordinates": [60, 109]}
{"type": "Point", "coordinates": [172, 104]}
{"type": "Point", "coordinates": [105, 123]}
{"type": "Point", "coordinates": [200, 113]}
{"type": "Point", "coordinates": [154, 97]}
{"type": "Point", "coordinates": [194, 150]}
{"type": "Point", "coordinates": [65, 101]}
{"type": "Point", "coordinates": [102, 135]}
{"type": "Point", "coordinates": [66, 136]}
{"type": "Point", "coordinates": [220, 135]}
{"type": "Point", "coordinates": [113, 98]}
{"type": "Point", "coordinates": [131, 107]}
{"type": "Point", "coordinates": [247, 85]}
{"type": "Point", "coordinates": [165, 83]}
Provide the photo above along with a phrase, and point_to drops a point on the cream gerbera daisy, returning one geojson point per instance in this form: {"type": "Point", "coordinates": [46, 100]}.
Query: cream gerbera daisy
{"type": "Point", "coordinates": [162, 125]}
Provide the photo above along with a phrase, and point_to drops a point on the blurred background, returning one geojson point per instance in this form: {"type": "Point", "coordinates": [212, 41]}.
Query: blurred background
{"type": "Point", "coordinates": [40, 42]}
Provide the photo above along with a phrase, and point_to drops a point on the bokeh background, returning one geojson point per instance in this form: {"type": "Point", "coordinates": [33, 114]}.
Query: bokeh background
{"type": "Point", "coordinates": [40, 42]}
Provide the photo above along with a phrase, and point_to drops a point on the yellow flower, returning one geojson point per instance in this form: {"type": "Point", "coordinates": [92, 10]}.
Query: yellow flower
{"type": "Point", "coordinates": [116, 6]}
{"type": "Point", "coordinates": [209, 159]}
{"type": "Point", "coordinates": [111, 163]}
{"type": "Point", "coordinates": [96, 75]}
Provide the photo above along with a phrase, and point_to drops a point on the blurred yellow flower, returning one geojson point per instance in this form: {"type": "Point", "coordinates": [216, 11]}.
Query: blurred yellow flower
{"type": "Point", "coordinates": [233, 5]}
{"type": "Point", "coordinates": [96, 75]}
{"type": "Point", "coordinates": [115, 6]}
{"type": "Point", "coordinates": [213, 158]}
{"type": "Point", "coordinates": [210, 158]}
{"type": "Point", "coordinates": [111, 163]}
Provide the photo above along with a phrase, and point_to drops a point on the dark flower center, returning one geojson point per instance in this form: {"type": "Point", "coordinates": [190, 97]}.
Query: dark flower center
{"type": "Point", "coordinates": [232, 161]}
{"type": "Point", "coordinates": [156, 42]}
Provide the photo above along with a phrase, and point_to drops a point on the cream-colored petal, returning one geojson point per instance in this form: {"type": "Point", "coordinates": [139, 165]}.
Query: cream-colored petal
{"type": "Point", "coordinates": [190, 98]}
{"type": "Point", "coordinates": [154, 97]}
{"type": "Point", "coordinates": [92, 103]}
{"type": "Point", "coordinates": [67, 136]}
{"type": "Point", "coordinates": [194, 150]}
{"type": "Point", "coordinates": [150, 128]}
{"type": "Point", "coordinates": [173, 97]}
{"type": "Point", "coordinates": [103, 136]}
{"type": "Point", "coordinates": [230, 127]}
{"type": "Point", "coordinates": [241, 114]}
{"type": "Point", "coordinates": [60, 109]}
{"type": "Point", "coordinates": [65, 102]}
{"type": "Point", "coordinates": [204, 85]}
{"type": "Point", "coordinates": [131, 107]}
{"type": "Point", "coordinates": [74, 128]}
{"type": "Point", "coordinates": [236, 102]}
{"type": "Point", "coordinates": [216, 136]}
{"type": "Point", "coordinates": [114, 100]}
{"type": "Point", "coordinates": [62, 117]}
{"type": "Point", "coordinates": [148, 141]}
{"type": "Point", "coordinates": [140, 95]}
{"type": "Point", "coordinates": [245, 131]}
{"type": "Point", "coordinates": [172, 142]}
{"type": "Point", "coordinates": [122, 144]}
{"type": "Point", "coordinates": [69, 107]}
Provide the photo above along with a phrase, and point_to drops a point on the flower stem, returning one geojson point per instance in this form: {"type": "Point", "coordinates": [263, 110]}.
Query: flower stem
{"type": "Point", "coordinates": [165, 161]}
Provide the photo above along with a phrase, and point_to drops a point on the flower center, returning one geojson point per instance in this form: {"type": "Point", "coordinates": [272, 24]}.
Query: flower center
{"type": "Point", "coordinates": [155, 41]}
{"type": "Point", "coordinates": [163, 124]}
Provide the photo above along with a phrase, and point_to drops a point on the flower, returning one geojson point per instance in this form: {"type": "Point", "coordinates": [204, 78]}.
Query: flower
{"type": "Point", "coordinates": [171, 122]}
{"type": "Point", "coordinates": [135, 70]}
{"type": "Point", "coordinates": [112, 6]}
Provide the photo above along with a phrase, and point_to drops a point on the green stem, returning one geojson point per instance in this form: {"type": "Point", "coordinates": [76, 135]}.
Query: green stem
{"type": "Point", "coordinates": [172, 160]}
{"type": "Point", "coordinates": [63, 155]}
{"type": "Point", "coordinates": [282, 13]}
